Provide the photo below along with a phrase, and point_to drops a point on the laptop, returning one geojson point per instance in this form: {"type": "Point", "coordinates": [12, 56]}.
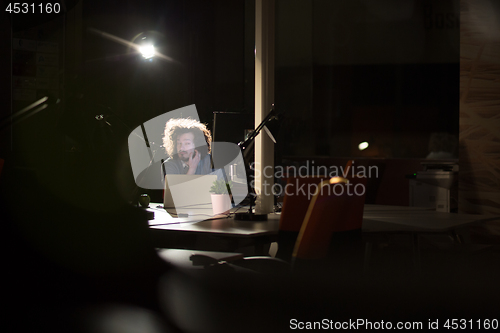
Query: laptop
{"type": "Point", "coordinates": [188, 194]}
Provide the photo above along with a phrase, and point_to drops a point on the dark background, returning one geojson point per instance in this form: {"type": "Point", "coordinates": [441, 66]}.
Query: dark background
{"type": "Point", "coordinates": [346, 72]}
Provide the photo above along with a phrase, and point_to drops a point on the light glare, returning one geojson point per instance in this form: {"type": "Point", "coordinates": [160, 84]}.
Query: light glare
{"type": "Point", "coordinates": [148, 51]}
{"type": "Point", "coordinates": [363, 145]}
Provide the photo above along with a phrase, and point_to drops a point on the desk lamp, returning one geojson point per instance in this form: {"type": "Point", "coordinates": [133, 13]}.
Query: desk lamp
{"type": "Point", "coordinates": [271, 120]}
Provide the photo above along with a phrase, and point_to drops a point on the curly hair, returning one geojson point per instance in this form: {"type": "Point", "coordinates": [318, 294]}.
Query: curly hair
{"type": "Point", "coordinates": [178, 126]}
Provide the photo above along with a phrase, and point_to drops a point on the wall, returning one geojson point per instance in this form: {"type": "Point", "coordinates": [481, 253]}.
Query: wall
{"type": "Point", "coordinates": [479, 187]}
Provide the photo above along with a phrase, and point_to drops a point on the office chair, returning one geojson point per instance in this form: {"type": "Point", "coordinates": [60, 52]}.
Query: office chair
{"type": "Point", "coordinates": [332, 226]}
{"type": "Point", "coordinates": [295, 205]}
{"type": "Point", "coordinates": [331, 229]}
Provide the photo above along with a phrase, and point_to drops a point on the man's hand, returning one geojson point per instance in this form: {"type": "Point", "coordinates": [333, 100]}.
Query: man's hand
{"type": "Point", "coordinates": [193, 162]}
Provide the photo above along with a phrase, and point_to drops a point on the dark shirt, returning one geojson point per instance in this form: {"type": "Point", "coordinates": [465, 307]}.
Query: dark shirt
{"type": "Point", "coordinates": [174, 166]}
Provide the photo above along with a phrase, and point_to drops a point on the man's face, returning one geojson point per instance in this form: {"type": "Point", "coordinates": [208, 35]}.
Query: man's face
{"type": "Point", "coordinates": [185, 146]}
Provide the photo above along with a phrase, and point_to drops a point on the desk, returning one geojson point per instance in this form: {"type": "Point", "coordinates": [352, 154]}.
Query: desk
{"type": "Point", "coordinates": [379, 220]}
{"type": "Point", "coordinates": [223, 234]}
{"type": "Point", "coordinates": [227, 235]}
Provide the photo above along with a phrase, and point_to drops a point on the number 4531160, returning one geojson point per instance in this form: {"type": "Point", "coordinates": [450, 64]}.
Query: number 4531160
{"type": "Point", "coordinates": [25, 8]}
{"type": "Point", "coordinates": [461, 324]}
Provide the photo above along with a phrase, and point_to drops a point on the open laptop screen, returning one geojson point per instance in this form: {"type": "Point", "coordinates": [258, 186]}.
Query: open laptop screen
{"type": "Point", "coordinates": [187, 191]}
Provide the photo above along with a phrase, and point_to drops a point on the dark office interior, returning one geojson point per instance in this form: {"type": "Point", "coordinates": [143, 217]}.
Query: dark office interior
{"type": "Point", "coordinates": [394, 85]}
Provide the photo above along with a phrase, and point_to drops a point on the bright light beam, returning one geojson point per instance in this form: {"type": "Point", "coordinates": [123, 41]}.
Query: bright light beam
{"type": "Point", "coordinates": [148, 51]}
{"type": "Point", "coordinates": [127, 43]}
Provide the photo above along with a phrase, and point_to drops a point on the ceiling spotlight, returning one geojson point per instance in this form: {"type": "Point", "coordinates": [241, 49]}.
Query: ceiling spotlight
{"type": "Point", "coordinates": [363, 145]}
{"type": "Point", "coordinates": [147, 51]}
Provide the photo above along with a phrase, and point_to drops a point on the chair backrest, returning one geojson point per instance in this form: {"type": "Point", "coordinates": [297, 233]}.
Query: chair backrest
{"type": "Point", "coordinates": [337, 206]}
{"type": "Point", "coordinates": [297, 197]}
{"type": "Point", "coordinates": [298, 194]}
{"type": "Point", "coordinates": [296, 201]}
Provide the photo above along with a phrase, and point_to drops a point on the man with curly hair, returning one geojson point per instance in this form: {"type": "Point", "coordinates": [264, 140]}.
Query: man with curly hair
{"type": "Point", "coordinates": [188, 143]}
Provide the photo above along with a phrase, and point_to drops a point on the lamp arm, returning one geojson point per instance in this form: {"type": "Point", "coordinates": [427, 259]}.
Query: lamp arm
{"type": "Point", "coordinates": [256, 131]}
